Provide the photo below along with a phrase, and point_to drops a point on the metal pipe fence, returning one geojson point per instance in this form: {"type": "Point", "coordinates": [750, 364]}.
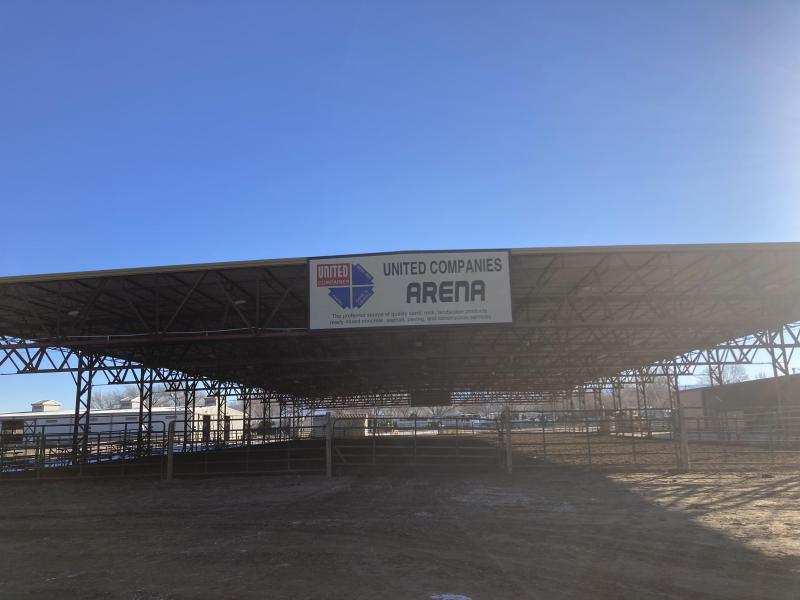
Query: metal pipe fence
{"type": "Point", "coordinates": [441, 442]}
{"type": "Point", "coordinates": [649, 439]}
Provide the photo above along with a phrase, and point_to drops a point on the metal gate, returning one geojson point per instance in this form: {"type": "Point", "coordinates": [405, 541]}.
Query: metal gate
{"type": "Point", "coordinates": [652, 439]}
{"type": "Point", "coordinates": [431, 442]}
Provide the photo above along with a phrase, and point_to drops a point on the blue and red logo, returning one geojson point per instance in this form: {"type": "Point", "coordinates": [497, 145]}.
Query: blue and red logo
{"type": "Point", "coordinates": [350, 285]}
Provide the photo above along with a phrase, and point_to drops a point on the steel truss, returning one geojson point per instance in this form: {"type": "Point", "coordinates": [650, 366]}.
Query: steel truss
{"type": "Point", "coordinates": [779, 344]}
{"type": "Point", "coordinates": [23, 357]}
{"type": "Point", "coordinates": [189, 392]}
{"type": "Point", "coordinates": [586, 321]}
{"type": "Point", "coordinates": [579, 315]}
{"type": "Point", "coordinates": [83, 407]}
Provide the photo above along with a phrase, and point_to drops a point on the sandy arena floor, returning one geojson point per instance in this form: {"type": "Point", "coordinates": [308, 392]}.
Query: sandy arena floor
{"type": "Point", "coordinates": [549, 534]}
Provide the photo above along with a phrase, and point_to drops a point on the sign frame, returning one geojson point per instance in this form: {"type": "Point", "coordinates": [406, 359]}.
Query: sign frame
{"type": "Point", "coordinates": [309, 260]}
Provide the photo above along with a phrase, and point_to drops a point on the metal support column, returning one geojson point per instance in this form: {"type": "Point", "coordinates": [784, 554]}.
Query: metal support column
{"type": "Point", "coordinates": [716, 378]}
{"type": "Point", "coordinates": [190, 387]}
{"type": "Point", "coordinates": [681, 423]}
{"type": "Point", "coordinates": [507, 441]}
{"type": "Point", "coordinates": [638, 384]}
{"type": "Point", "coordinates": [170, 450]}
{"type": "Point", "coordinates": [281, 410]}
{"type": "Point", "coordinates": [269, 430]}
{"type": "Point", "coordinates": [329, 446]}
{"type": "Point", "coordinates": [246, 397]}
{"type": "Point", "coordinates": [81, 427]}
{"type": "Point", "coordinates": [616, 395]}
{"type": "Point", "coordinates": [143, 435]}
{"type": "Point", "coordinates": [222, 411]}
{"type": "Point", "coordinates": [641, 404]}
{"type": "Point", "coordinates": [780, 357]}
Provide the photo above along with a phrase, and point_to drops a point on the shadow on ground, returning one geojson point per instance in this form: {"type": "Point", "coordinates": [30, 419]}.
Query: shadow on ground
{"type": "Point", "coordinates": [554, 533]}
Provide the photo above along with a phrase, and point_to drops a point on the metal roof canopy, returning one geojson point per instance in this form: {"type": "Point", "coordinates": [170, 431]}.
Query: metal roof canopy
{"type": "Point", "coordinates": [579, 315]}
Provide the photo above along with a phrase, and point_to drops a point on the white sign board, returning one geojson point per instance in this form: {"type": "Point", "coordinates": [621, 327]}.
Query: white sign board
{"type": "Point", "coordinates": [415, 288]}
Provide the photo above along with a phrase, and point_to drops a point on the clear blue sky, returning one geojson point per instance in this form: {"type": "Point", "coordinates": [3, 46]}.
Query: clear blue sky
{"type": "Point", "coordinates": [142, 133]}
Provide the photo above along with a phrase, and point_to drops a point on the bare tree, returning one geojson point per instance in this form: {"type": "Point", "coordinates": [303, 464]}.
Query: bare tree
{"type": "Point", "coordinates": [161, 397]}
{"type": "Point", "coordinates": [654, 395]}
{"type": "Point", "coordinates": [440, 411]}
{"type": "Point", "coordinates": [110, 396]}
{"type": "Point", "coordinates": [489, 409]}
{"type": "Point", "coordinates": [395, 411]}
{"type": "Point", "coordinates": [657, 392]}
{"type": "Point", "coordinates": [101, 399]}
{"type": "Point", "coordinates": [729, 374]}
{"type": "Point", "coordinates": [627, 397]}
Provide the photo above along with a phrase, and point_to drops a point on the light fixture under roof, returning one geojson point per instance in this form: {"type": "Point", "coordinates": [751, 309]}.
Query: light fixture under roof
{"type": "Point", "coordinates": [74, 313]}
{"type": "Point", "coordinates": [239, 302]}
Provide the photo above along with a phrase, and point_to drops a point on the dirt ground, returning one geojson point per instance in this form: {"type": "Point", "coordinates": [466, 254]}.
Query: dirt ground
{"type": "Point", "coordinates": [553, 533]}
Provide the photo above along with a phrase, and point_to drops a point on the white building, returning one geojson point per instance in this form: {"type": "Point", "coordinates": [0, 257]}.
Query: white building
{"type": "Point", "coordinates": [47, 417]}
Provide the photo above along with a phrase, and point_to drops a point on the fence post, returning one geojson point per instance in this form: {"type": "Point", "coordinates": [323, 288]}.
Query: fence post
{"type": "Point", "coordinates": [588, 439]}
{"type": "Point", "coordinates": [772, 426]}
{"type": "Point", "coordinates": [289, 448]}
{"type": "Point", "coordinates": [544, 436]}
{"type": "Point", "coordinates": [674, 436]}
{"type": "Point", "coordinates": [684, 433]}
{"type": "Point", "coordinates": [723, 430]}
{"type": "Point", "coordinates": [329, 446]}
{"type": "Point", "coordinates": [40, 450]}
{"type": "Point", "coordinates": [414, 442]}
{"type": "Point", "coordinates": [170, 449]}
{"type": "Point", "coordinates": [247, 457]}
{"type": "Point", "coordinates": [458, 454]}
{"type": "Point", "coordinates": [507, 426]}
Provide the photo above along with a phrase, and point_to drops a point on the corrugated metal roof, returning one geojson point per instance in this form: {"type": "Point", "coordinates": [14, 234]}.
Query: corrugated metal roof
{"type": "Point", "coordinates": [580, 314]}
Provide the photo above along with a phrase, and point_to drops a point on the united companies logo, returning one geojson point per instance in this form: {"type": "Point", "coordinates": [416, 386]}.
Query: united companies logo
{"type": "Point", "coordinates": [350, 285]}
